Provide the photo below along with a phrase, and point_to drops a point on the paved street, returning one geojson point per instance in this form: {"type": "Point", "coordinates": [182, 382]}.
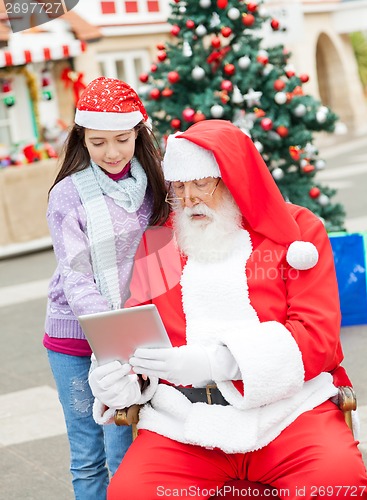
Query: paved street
{"type": "Point", "coordinates": [34, 448]}
{"type": "Point", "coordinates": [346, 171]}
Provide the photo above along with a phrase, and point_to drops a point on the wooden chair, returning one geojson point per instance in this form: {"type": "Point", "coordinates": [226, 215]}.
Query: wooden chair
{"type": "Point", "coordinates": [346, 401]}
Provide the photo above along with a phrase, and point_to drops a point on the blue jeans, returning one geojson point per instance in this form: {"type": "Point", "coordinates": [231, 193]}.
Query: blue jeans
{"type": "Point", "coordinates": [91, 445]}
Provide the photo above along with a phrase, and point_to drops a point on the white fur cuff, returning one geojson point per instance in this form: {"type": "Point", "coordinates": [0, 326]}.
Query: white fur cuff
{"type": "Point", "coordinates": [185, 161]}
{"type": "Point", "coordinates": [101, 414]}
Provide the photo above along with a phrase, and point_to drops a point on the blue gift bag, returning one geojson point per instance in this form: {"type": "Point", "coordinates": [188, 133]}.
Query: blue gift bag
{"type": "Point", "coordinates": [350, 262]}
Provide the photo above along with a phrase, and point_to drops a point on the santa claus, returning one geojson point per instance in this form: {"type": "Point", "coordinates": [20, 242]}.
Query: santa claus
{"type": "Point", "coordinates": [246, 287]}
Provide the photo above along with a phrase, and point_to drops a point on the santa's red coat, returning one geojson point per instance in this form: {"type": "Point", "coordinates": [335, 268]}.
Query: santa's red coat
{"type": "Point", "coordinates": [298, 314]}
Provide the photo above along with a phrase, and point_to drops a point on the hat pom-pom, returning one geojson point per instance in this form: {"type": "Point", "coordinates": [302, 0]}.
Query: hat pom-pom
{"type": "Point", "coordinates": [302, 255]}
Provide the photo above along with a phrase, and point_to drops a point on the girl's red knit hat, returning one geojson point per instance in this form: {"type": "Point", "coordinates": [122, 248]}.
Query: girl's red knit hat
{"type": "Point", "coordinates": [109, 104]}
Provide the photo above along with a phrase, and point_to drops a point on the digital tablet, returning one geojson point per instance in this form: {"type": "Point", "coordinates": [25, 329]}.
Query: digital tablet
{"type": "Point", "coordinates": [117, 334]}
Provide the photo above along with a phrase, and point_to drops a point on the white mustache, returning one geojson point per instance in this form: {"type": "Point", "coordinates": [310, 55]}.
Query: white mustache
{"type": "Point", "coordinates": [200, 209]}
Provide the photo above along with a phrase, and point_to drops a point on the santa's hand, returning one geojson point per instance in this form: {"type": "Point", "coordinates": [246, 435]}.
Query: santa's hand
{"type": "Point", "coordinates": [114, 385]}
{"type": "Point", "coordinates": [185, 365]}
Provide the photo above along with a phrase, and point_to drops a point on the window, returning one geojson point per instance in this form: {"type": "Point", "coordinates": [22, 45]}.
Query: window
{"type": "Point", "coordinates": [139, 7]}
{"type": "Point", "coordinates": [153, 6]}
{"type": "Point", "coordinates": [133, 11]}
{"type": "Point", "coordinates": [126, 66]}
{"type": "Point", "coordinates": [108, 7]}
{"type": "Point", "coordinates": [131, 7]}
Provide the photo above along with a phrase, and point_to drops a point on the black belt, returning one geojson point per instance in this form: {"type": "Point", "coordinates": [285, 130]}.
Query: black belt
{"type": "Point", "coordinates": [209, 394]}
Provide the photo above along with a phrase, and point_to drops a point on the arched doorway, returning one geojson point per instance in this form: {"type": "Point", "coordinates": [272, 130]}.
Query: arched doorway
{"type": "Point", "coordinates": [332, 81]}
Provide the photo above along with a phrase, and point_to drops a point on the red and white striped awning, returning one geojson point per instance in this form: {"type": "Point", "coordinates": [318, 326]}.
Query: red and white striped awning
{"type": "Point", "coordinates": [18, 57]}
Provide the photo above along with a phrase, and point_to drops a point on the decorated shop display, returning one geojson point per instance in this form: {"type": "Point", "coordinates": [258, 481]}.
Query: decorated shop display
{"type": "Point", "coordinates": [74, 80]}
{"type": "Point", "coordinates": [7, 94]}
{"type": "Point", "coordinates": [40, 87]}
{"type": "Point", "coordinates": [216, 66]}
{"type": "Point", "coordinates": [23, 154]}
{"type": "Point", "coordinates": [46, 85]}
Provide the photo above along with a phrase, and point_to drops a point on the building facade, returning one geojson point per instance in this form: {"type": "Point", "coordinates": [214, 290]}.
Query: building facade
{"type": "Point", "coordinates": [317, 34]}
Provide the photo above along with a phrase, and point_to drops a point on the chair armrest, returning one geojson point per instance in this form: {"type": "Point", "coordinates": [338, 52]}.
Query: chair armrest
{"type": "Point", "coordinates": [347, 402]}
{"type": "Point", "coordinates": [128, 416]}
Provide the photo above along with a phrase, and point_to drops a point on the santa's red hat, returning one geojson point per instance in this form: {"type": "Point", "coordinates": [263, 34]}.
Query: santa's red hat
{"type": "Point", "coordinates": [109, 104]}
{"type": "Point", "coordinates": [217, 148]}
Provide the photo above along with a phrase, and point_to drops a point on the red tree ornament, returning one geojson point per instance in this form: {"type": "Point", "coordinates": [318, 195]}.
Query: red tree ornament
{"type": "Point", "coordinates": [175, 30]}
{"type": "Point", "coordinates": [162, 55]}
{"type": "Point", "coordinates": [304, 78]}
{"type": "Point", "coordinates": [259, 112]}
{"type": "Point", "coordinates": [188, 114]}
{"type": "Point", "coordinates": [279, 85]}
{"type": "Point", "coordinates": [308, 168]}
{"type": "Point", "coordinates": [167, 92]}
{"type": "Point", "coordinates": [199, 117]}
{"type": "Point", "coordinates": [226, 31]}
{"type": "Point", "coordinates": [229, 69]}
{"type": "Point", "coordinates": [144, 77]}
{"type": "Point", "coordinates": [266, 124]}
{"type": "Point", "coordinates": [262, 59]}
{"type": "Point", "coordinates": [295, 153]}
{"type": "Point", "coordinates": [314, 192]}
{"type": "Point", "coordinates": [222, 4]}
{"type": "Point", "coordinates": [155, 94]}
{"type": "Point", "coordinates": [282, 130]}
{"type": "Point", "coordinates": [215, 42]}
{"type": "Point", "coordinates": [153, 68]}
{"type": "Point", "coordinates": [252, 7]}
{"type": "Point", "coordinates": [173, 77]}
{"type": "Point", "coordinates": [297, 90]}
{"type": "Point", "coordinates": [226, 85]}
{"type": "Point", "coordinates": [275, 24]}
{"type": "Point", "coordinates": [175, 123]}
{"type": "Point", "coordinates": [248, 19]}
{"type": "Point", "coordinates": [190, 24]}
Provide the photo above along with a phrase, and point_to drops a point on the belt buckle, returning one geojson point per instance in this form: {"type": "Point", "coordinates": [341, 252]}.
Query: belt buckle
{"type": "Point", "coordinates": [208, 389]}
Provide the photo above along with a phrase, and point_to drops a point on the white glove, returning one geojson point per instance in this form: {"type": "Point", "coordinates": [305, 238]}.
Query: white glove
{"type": "Point", "coordinates": [93, 363]}
{"type": "Point", "coordinates": [186, 365]}
{"type": "Point", "coordinates": [114, 386]}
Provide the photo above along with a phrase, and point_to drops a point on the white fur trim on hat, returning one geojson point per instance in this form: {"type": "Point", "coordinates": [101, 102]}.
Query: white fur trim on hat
{"type": "Point", "coordinates": [104, 120]}
{"type": "Point", "coordinates": [302, 255]}
{"type": "Point", "coordinates": [185, 161]}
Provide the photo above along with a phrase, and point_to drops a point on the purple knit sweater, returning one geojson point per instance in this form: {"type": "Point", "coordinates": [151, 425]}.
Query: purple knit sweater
{"type": "Point", "coordinates": [72, 290]}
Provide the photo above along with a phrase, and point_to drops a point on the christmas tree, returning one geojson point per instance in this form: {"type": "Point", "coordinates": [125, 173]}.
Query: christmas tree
{"type": "Point", "coordinates": [217, 67]}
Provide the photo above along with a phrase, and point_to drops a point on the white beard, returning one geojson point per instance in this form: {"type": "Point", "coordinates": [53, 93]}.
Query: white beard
{"type": "Point", "coordinates": [210, 239]}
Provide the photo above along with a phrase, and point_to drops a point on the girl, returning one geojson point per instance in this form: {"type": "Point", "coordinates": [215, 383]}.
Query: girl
{"type": "Point", "coordinates": [109, 188]}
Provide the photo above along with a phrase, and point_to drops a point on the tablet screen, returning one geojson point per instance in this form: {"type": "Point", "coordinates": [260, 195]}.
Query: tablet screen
{"type": "Point", "coordinates": [117, 334]}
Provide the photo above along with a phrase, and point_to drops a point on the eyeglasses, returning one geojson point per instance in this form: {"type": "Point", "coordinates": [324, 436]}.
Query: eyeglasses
{"type": "Point", "coordinates": [200, 196]}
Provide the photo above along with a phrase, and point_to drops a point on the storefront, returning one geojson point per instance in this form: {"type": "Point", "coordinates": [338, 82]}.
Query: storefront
{"type": "Point", "coordinates": [39, 85]}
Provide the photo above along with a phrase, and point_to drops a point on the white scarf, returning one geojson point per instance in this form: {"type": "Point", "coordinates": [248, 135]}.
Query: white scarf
{"type": "Point", "coordinates": [92, 184]}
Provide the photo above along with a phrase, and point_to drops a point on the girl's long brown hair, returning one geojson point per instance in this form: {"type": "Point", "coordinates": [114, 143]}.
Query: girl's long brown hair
{"type": "Point", "coordinates": [75, 157]}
